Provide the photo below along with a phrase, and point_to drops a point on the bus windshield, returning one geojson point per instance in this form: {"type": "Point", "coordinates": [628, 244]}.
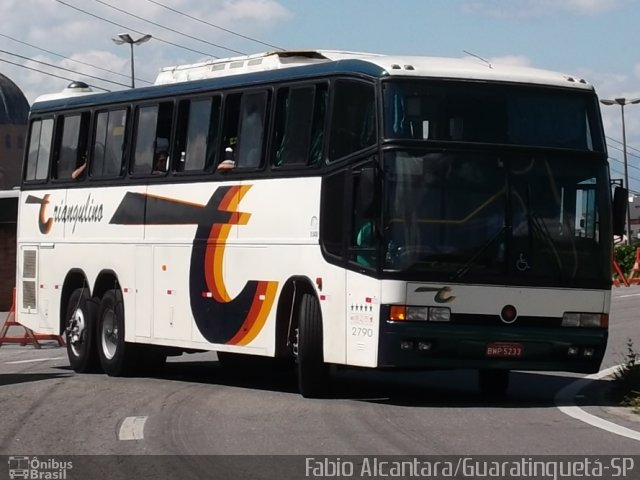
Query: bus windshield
{"type": "Point", "coordinates": [448, 111]}
{"type": "Point", "coordinates": [520, 218]}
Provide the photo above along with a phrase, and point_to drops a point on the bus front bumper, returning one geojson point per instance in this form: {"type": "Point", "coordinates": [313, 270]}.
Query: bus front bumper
{"type": "Point", "coordinates": [418, 345]}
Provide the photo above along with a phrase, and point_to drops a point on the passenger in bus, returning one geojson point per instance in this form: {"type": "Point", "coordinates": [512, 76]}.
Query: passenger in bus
{"type": "Point", "coordinates": [228, 163]}
{"type": "Point", "coordinates": [160, 155]}
{"type": "Point", "coordinates": [160, 162]}
{"type": "Point", "coordinates": [77, 173]}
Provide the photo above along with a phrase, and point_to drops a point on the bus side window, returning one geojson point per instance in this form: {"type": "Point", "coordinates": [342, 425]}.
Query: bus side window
{"type": "Point", "coordinates": [71, 145]}
{"type": "Point", "coordinates": [197, 135]}
{"type": "Point", "coordinates": [299, 130]}
{"type": "Point", "coordinates": [229, 144]}
{"type": "Point", "coordinates": [144, 139]}
{"type": "Point", "coordinates": [252, 127]}
{"type": "Point", "coordinates": [40, 140]}
{"type": "Point", "coordinates": [108, 148]}
{"type": "Point", "coordinates": [151, 139]}
{"type": "Point", "coordinates": [292, 133]}
{"type": "Point", "coordinates": [353, 118]}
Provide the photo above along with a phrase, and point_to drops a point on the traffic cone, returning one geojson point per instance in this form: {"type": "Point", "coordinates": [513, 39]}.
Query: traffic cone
{"type": "Point", "coordinates": [618, 270]}
{"type": "Point", "coordinates": [634, 275]}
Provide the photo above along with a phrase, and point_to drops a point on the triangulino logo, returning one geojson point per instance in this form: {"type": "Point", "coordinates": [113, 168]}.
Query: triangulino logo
{"type": "Point", "coordinates": [442, 293]}
{"type": "Point", "coordinates": [86, 212]}
{"type": "Point", "coordinates": [38, 468]}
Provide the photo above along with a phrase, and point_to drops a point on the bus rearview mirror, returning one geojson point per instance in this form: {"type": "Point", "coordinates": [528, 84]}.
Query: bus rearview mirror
{"type": "Point", "coordinates": [620, 205]}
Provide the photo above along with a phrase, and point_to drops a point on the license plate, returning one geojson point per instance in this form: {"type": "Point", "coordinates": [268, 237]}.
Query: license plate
{"type": "Point", "coordinates": [504, 350]}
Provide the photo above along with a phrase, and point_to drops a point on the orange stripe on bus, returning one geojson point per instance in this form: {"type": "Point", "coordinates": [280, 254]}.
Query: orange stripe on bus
{"type": "Point", "coordinates": [209, 258]}
{"type": "Point", "coordinates": [219, 289]}
{"type": "Point", "coordinates": [263, 313]}
{"type": "Point", "coordinates": [257, 315]}
{"type": "Point", "coordinates": [214, 256]}
{"type": "Point", "coordinates": [228, 198]}
{"type": "Point", "coordinates": [251, 317]}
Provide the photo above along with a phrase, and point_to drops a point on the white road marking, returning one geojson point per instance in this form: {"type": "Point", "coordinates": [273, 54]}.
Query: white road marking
{"type": "Point", "coordinates": [568, 393]}
{"type": "Point", "coordinates": [132, 428]}
{"type": "Point", "coordinates": [630, 295]}
{"type": "Point", "coordinates": [16, 362]}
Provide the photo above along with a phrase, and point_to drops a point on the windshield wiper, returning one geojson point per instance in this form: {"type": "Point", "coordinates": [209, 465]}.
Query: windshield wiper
{"type": "Point", "coordinates": [473, 260]}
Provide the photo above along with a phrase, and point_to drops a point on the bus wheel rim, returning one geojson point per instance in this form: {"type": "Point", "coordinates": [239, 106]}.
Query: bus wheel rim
{"type": "Point", "coordinates": [109, 334]}
{"type": "Point", "coordinates": [77, 334]}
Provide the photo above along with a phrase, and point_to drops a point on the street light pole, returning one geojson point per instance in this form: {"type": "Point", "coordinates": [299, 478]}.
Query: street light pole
{"type": "Point", "coordinates": [622, 102]}
{"type": "Point", "coordinates": [126, 38]}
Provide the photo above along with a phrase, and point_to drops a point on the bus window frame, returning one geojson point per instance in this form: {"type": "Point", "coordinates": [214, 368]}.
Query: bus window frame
{"type": "Point", "coordinates": [210, 169]}
{"type": "Point", "coordinates": [57, 144]}
{"type": "Point", "coordinates": [375, 86]}
{"type": "Point", "coordinates": [268, 89]}
{"type": "Point", "coordinates": [125, 146]}
{"type": "Point", "coordinates": [317, 83]}
{"type": "Point", "coordinates": [265, 169]}
{"type": "Point", "coordinates": [45, 180]}
{"type": "Point", "coordinates": [133, 131]}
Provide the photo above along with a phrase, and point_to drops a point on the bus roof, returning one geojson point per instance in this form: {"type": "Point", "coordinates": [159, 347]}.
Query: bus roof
{"type": "Point", "coordinates": [463, 68]}
{"type": "Point", "coordinates": [300, 64]}
{"type": "Point", "coordinates": [258, 62]}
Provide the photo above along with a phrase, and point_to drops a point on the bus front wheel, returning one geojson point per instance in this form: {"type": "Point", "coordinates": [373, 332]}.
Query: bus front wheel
{"type": "Point", "coordinates": [493, 383]}
{"type": "Point", "coordinates": [313, 372]}
{"type": "Point", "coordinates": [79, 332]}
{"type": "Point", "coordinates": [115, 355]}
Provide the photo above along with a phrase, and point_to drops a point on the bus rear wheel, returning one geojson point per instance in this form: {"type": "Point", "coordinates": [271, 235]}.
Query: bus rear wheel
{"type": "Point", "coordinates": [313, 372]}
{"type": "Point", "coordinates": [116, 356]}
{"type": "Point", "coordinates": [79, 332]}
{"type": "Point", "coordinates": [493, 383]}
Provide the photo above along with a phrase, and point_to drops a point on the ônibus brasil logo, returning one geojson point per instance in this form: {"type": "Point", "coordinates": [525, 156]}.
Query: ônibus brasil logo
{"type": "Point", "coordinates": [34, 468]}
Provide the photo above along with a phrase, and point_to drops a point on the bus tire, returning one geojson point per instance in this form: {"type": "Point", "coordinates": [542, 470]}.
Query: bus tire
{"type": "Point", "coordinates": [79, 332]}
{"type": "Point", "coordinates": [493, 383]}
{"type": "Point", "coordinates": [313, 372]}
{"type": "Point", "coordinates": [116, 356]}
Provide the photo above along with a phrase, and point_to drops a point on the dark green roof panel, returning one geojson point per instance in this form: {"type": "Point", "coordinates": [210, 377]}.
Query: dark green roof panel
{"type": "Point", "coordinates": [14, 108]}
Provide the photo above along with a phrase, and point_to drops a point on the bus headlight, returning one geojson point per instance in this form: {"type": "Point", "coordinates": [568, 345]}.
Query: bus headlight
{"type": "Point", "coordinates": [439, 314]}
{"type": "Point", "coordinates": [572, 319]}
{"type": "Point", "coordinates": [398, 313]}
{"type": "Point", "coordinates": [418, 313]}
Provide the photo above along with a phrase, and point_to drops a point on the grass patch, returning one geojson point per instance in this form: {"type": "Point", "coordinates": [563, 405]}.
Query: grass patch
{"type": "Point", "coordinates": [626, 381]}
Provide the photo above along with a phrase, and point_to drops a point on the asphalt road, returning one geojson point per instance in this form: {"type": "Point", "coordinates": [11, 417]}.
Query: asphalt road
{"type": "Point", "coordinates": [194, 406]}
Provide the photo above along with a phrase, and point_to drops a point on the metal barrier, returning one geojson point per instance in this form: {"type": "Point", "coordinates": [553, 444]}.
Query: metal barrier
{"type": "Point", "coordinates": [29, 336]}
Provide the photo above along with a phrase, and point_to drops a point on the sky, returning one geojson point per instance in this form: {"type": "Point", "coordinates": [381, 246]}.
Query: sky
{"type": "Point", "coordinates": [592, 39]}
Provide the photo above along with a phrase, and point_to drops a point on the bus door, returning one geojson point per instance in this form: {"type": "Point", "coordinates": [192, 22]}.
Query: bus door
{"type": "Point", "coordinates": [363, 289]}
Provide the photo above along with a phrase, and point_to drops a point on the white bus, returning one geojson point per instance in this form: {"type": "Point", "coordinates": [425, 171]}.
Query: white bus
{"type": "Point", "coordinates": [330, 208]}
